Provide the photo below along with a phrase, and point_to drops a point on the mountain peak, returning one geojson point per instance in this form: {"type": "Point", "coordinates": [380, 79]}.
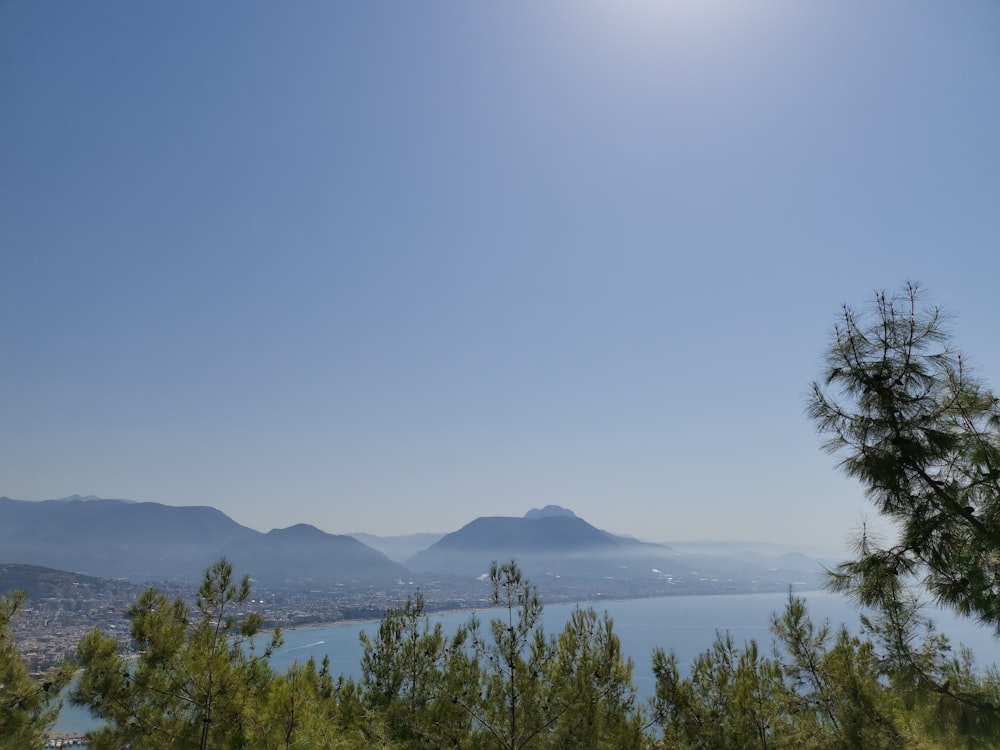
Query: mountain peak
{"type": "Point", "coordinates": [549, 511]}
{"type": "Point", "coordinates": [298, 531]}
{"type": "Point", "coordinates": [149, 542]}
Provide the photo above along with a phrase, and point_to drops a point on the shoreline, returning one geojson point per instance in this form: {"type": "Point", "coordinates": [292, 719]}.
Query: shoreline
{"type": "Point", "coordinates": [366, 620]}
{"type": "Point", "coordinates": [558, 603]}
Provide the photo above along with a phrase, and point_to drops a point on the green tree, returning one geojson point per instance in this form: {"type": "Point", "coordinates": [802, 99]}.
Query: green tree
{"type": "Point", "coordinates": [574, 690]}
{"type": "Point", "coordinates": [505, 686]}
{"type": "Point", "coordinates": [945, 698]}
{"type": "Point", "coordinates": [27, 706]}
{"type": "Point", "coordinates": [592, 695]}
{"type": "Point", "coordinates": [512, 705]}
{"type": "Point", "coordinates": [414, 677]}
{"type": "Point", "coordinates": [921, 433]}
{"type": "Point", "coordinates": [821, 689]}
{"type": "Point", "coordinates": [301, 711]}
{"type": "Point", "coordinates": [197, 680]}
{"type": "Point", "coordinates": [836, 693]}
{"type": "Point", "coordinates": [733, 698]}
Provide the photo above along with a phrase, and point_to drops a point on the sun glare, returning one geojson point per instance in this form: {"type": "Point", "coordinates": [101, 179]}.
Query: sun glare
{"type": "Point", "coordinates": [658, 27]}
{"type": "Point", "coordinates": [688, 43]}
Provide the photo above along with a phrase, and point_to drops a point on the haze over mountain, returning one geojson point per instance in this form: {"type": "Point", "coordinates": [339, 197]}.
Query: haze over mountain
{"type": "Point", "coordinates": [553, 543]}
{"type": "Point", "coordinates": [549, 541]}
{"type": "Point", "coordinates": [144, 542]}
{"type": "Point", "coordinates": [736, 547]}
{"type": "Point", "coordinates": [306, 555]}
{"type": "Point", "coordinates": [151, 541]}
{"type": "Point", "coordinates": [39, 582]}
{"type": "Point", "coordinates": [398, 548]}
{"type": "Point", "coordinates": [402, 547]}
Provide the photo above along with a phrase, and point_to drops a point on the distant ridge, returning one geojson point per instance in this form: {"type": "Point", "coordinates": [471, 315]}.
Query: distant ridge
{"type": "Point", "coordinates": [39, 582]}
{"type": "Point", "coordinates": [534, 534]}
{"type": "Point", "coordinates": [552, 540]}
{"type": "Point", "coordinates": [398, 548]}
{"type": "Point", "coordinates": [549, 511]}
{"type": "Point", "coordinates": [88, 498]}
{"type": "Point", "coordinates": [150, 541]}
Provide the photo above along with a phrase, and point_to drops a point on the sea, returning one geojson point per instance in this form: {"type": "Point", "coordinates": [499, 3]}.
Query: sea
{"type": "Point", "coordinates": [685, 624]}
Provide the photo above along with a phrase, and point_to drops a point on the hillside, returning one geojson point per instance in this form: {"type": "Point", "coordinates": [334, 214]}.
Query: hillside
{"type": "Point", "coordinates": [400, 547]}
{"type": "Point", "coordinates": [39, 582]}
{"type": "Point", "coordinates": [303, 554]}
{"type": "Point", "coordinates": [552, 542]}
{"type": "Point", "coordinates": [149, 542]}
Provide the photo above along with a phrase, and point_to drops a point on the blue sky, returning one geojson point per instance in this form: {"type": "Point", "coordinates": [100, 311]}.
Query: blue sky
{"type": "Point", "coordinates": [387, 267]}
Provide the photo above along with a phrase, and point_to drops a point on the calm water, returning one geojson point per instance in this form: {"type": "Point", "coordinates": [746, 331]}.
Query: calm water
{"type": "Point", "coordinates": [686, 624]}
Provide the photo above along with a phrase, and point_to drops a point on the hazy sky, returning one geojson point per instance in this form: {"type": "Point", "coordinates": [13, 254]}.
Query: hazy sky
{"type": "Point", "coordinates": [389, 266]}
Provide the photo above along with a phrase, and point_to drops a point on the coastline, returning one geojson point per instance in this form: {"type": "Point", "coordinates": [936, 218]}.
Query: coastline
{"type": "Point", "coordinates": [558, 602]}
{"type": "Point", "coordinates": [366, 620]}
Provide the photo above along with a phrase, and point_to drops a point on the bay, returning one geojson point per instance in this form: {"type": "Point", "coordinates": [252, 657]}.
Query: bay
{"type": "Point", "coordinates": [685, 624]}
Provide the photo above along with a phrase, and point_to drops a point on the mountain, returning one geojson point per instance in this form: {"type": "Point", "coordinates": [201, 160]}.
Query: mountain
{"type": "Point", "coordinates": [552, 541]}
{"type": "Point", "coordinates": [770, 549]}
{"type": "Point", "coordinates": [149, 541]}
{"type": "Point", "coordinates": [143, 542]}
{"type": "Point", "coordinates": [531, 535]}
{"type": "Point", "coordinates": [398, 548]}
{"type": "Point", "coordinates": [549, 511]}
{"type": "Point", "coordinates": [114, 538]}
{"type": "Point", "coordinates": [559, 550]}
{"type": "Point", "coordinates": [43, 583]}
{"type": "Point", "coordinates": [305, 554]}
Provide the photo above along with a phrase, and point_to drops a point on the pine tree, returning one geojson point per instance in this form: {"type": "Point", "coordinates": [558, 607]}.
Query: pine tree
{"type": "Point", "coordinates": [196, 681]}
{"type": "Point", "coordinates": [28, 706]}
{"type": "Point", "coordinates": [921, 433]}
{"type": "Point", "coordinates": [505, 686]}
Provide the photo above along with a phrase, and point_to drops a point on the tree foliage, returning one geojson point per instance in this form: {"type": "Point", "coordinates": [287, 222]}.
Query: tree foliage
{"type": "Point", "coordinates": [821, 688]}
{"type": "Point", "coordinates": [196, 681]}
{"type": "Point", "coordinates": [28, 706]}
{"type": "Point", "coordinates": [414, 677]}
{"type": "Point", "coordinates": [920, 432]}
{"type": "Point", "coordinates": [507, 686]}
{"type": "Point", "coordinates": [200, 682]}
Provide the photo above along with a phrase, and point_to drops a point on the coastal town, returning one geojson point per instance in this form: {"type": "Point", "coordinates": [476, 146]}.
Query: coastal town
{"type": "Point", "coordinates": [61, 612]}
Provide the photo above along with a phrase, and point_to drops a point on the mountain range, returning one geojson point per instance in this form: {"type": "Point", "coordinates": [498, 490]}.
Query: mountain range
{"type": "Point", "coordinates": [149, 541]}
{"type": "Point", "coordinates": [144, 542]}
